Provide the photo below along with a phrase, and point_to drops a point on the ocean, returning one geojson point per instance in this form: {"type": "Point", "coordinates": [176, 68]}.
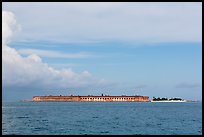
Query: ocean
{"type": "Point", "coordinates": [101, 118]}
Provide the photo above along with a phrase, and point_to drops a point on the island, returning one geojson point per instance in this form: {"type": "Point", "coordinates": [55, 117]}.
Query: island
{"type": "Point", "coordinates": [167, 100]}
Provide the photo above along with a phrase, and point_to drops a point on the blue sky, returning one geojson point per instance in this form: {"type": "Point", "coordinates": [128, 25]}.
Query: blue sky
{"type": "Point", "coordinates": [138, 48]}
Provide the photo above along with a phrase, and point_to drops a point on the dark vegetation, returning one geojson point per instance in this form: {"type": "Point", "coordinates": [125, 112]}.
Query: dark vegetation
{"type": "Point", "coordinates": [161, 99]}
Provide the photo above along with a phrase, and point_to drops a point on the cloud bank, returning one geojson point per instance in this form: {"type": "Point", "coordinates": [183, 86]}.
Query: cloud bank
{"type": "Point", "coordinates": [102, 21]}
{"type": "Point", "coordinates": [31, 71]}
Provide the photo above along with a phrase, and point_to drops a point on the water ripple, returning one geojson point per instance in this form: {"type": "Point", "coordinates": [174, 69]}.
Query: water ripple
{"type": "Point", "coordinates": [78, 118]}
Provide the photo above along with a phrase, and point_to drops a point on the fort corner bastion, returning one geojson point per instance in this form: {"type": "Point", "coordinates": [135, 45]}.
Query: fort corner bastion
{"type": "Point", "coordinates": [90, 98]}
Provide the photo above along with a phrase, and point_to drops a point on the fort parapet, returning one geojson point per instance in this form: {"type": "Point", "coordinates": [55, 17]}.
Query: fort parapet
{"type": "Point", "coordinates": [91, 98]}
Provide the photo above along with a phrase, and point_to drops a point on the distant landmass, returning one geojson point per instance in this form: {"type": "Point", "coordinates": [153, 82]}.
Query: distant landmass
{"type": "Point", "coordinates": [102, 98]}
{"type": "Point", "coordinates": [170, 100]}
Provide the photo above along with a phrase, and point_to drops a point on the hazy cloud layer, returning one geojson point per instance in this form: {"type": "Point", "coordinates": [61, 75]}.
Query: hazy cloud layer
{"type": "Point", "coordinates": [136, 22]}
{"type": "Point", "coordinates": [53, 54]}
{"type": "Point", "coordinates": [188, 85]}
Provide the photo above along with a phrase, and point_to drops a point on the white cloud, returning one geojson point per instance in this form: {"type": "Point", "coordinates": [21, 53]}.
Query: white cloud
{"type": "Point", "coordinates": [32, 71]}
{"type": "Point", "coordinates": [53, 54]}
{"type": "Point", "coordinates": [137, 22]}
{"type": "Point", "coordinates": [9, 26]}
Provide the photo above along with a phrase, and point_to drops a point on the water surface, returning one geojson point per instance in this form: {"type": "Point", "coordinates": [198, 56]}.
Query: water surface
{"type": "Point", "coordinates": [102, 118]}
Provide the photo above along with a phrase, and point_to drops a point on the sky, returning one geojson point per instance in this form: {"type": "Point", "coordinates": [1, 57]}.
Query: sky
{"type": "Point", "coordinates": [150, 49]}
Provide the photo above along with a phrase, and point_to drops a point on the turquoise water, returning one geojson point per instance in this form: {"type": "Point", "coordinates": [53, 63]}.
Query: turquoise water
{"type": "Point", "coordinates": [101, 118]}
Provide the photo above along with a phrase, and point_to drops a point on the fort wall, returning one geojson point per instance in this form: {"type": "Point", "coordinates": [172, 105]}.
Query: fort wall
{"type": "Point", "coordinates": [91, 98]}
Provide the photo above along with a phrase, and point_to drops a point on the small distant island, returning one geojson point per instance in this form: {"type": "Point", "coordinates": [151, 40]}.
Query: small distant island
{"type": "Point", "coordinates": [168, 100]}
{"type": "Point", "coordinates": [102, 98]}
